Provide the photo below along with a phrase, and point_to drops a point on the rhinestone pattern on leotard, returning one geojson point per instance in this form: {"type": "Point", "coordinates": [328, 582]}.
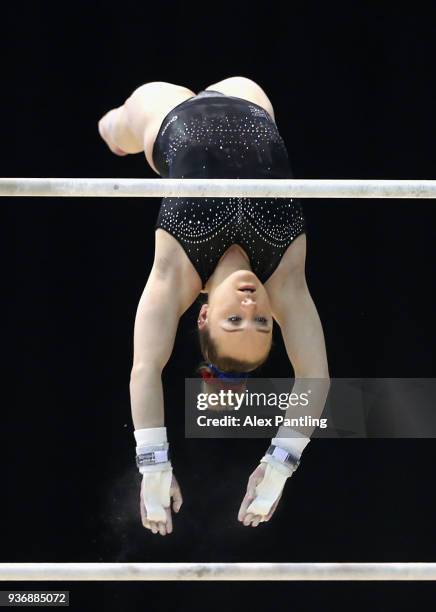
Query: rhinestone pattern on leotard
{"type": "Point", "coordinates": [226, 137]}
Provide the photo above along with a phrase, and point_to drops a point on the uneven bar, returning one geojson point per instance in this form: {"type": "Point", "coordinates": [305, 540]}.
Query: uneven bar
{"type": "Point", "coordinates": [47, 572]}
{"type": "Point", "coordinates": [235, 188]}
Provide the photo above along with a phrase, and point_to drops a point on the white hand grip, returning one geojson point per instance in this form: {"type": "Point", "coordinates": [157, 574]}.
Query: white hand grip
{"type": "Point", "coordinates": [156, 494]}
{"type": "Point", "coordinates": [269, 489]}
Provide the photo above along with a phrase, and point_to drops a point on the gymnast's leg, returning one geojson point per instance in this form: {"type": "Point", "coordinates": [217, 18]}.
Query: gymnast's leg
{"type": "Point", "coordinates": [123, 128]}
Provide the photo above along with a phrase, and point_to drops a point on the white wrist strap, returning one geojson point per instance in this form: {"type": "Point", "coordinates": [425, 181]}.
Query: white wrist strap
{"type": "Point", "coordinates": [156, 479]}
{"type": "Point", "coordinates": [152, 440]}
{"type": "Point", "coordinates": [291, 440]}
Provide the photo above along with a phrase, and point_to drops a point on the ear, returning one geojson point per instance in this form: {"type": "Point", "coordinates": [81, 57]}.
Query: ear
{"type": "Point", "coordinates": [202, 316]}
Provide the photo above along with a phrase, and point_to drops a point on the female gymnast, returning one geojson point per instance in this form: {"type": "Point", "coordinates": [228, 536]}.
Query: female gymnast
{"type": "Point", "coordinates": [246, 254]}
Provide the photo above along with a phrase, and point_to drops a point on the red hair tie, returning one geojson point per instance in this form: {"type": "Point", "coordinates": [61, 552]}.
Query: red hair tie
{"type": "Point", "coordinates": [210, 379]}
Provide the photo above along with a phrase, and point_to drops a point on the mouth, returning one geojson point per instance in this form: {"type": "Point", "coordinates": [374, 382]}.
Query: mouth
{"type": "Point", "coordinates": [250, 288]}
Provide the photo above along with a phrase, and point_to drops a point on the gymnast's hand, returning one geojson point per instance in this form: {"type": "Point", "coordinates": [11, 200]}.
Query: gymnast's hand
{"type": "Point", "coordinates": [106, 126]}
{"type": "Point", "coordinates": [159, 504]}
{"type": "Point", "coordinates": [262, 497]}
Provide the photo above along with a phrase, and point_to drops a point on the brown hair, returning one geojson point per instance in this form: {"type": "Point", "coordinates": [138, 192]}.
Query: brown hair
{"type": "Point", "coordinates": [226, 364]}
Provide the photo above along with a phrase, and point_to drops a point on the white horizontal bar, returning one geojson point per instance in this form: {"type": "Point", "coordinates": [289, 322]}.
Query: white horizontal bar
{"type": "Point", "coordinates": [217, 571]}
{"type": "Point", "coordinates": [238, 188]}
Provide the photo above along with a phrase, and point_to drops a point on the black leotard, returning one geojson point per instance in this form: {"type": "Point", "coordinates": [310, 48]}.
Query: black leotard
{"type": "Point", "coordinates": [216, 136]}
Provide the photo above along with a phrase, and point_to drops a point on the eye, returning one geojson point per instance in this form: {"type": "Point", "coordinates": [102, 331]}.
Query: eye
{"type": "Point", "coordinates": [262, 320]}
{"type": "Point", "coordinates": [234, 319]}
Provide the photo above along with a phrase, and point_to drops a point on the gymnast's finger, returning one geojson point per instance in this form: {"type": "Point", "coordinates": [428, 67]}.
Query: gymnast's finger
{"type": "Point", "coordinates": [169, 523]}
{"type": "Point", "coordinates": [176, 495]}
{"type": "Point", "coordinates": [248, 518]}
{"type": "Point", "coordinates": [256, 520]}
{"type": "Point", "coordinates": [248, 498]}
{"type": "Point", "coordinates": [162, 528]}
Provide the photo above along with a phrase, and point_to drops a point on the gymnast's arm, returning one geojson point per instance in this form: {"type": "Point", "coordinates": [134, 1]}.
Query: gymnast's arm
{"type": "Point", "coordinates": [297, 316]}
{"type": "Point", "coordinates": [166, 296]}
{"type": "Point", "coordinates": [169, 292]}
{"type": "Point", "coordinates": [302, 333]}
{"type": "Point", "coordinates": [156, 321]}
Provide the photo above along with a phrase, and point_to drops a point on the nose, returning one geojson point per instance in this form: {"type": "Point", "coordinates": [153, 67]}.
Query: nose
{"type": "Point", "coordinates": [248, 302]}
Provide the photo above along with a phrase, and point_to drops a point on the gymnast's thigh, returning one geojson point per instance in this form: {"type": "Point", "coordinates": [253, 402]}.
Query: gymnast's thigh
{"type": "Point", "coordinates": [243, 87]}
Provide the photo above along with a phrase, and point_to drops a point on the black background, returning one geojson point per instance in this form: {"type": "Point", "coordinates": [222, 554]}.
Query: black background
{"type": "Point", "coordinates": [353, 89]}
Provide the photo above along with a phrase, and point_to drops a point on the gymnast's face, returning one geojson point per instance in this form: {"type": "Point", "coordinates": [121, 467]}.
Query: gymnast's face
{"type": "Point", "coordinates": [238, 317]}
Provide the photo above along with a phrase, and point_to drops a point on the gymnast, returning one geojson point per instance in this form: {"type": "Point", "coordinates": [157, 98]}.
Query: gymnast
{"type": "Point", "coordinates": [246, 254]}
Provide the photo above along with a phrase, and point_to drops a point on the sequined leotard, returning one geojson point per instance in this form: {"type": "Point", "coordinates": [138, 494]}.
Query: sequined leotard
{"type": "Point", "coordinates": [216, 136]}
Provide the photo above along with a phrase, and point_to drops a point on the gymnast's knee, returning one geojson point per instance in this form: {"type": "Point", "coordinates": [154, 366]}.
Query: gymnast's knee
{"type": "Point", "coordinates": [239, 80]}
